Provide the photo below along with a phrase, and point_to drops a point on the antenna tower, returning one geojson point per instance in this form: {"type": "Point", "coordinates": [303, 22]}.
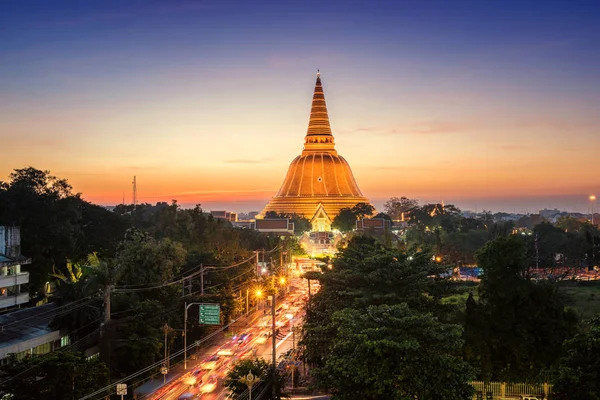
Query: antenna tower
{"type": "Point", "coordinates": [135, 199]}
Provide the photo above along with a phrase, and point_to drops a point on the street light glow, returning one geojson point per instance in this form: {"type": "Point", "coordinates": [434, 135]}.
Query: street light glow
{"type": "Point", "coordinates": [258, 293]}
{"type": "Point", "coordinates": [282, 281]}
{"type": "Point", "coordinates": [592, 197]}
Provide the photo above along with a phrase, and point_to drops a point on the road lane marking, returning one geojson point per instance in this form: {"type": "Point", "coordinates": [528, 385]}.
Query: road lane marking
{"type": "Point", "coordinates": [283, 340]}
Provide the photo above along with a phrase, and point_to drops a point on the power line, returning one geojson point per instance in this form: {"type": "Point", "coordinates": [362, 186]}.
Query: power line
{"type": "Point", "coordinates": [123, 289]}
{"type": "Point", "coordinates": [156, 364]}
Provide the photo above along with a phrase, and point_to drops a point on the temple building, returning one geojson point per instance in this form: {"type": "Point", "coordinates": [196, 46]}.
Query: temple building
{"type": "Point", "coordinates": [319, 182]}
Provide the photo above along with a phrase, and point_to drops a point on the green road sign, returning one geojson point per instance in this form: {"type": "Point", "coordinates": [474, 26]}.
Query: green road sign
{"type": "Point", "coordinates": [210, 314]}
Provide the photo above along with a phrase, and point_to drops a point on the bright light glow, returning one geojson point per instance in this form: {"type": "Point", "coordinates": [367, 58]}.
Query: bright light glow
{"type": "Point", "coordinates": [410, 258]}
{"type": "Point", "coordinates": [438, 259]}
{"type": "Point", "coordinates": [593, 197]}
{"type": "Point", "coordinates": [190, 380]}
{"type": "Point", "coordinates": [208, 387]}
{"type": "Point", "coordinates": [258, 293]}
{"type": "Point", "coordinates": [209, 365]}
{"type": "Point", "coordinates": [282, 281]}
{"type": "Point", "coordinates": [289, 316]}
{"type": "Point", "coordinates": [263, 270]}
{"type": "Point", "coordinates": [225, 352]}
{"type": "Point", "coordinates": [261, 340]}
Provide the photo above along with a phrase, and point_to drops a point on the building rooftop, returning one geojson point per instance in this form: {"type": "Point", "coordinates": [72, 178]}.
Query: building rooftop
{"type": "Point", "coordinates": [22, 325]}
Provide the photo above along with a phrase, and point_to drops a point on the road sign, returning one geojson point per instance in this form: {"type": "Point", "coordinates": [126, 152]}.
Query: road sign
{"type": "Point", "coordinates": [210, 314]}
{"type": "Point", "coordinates": [121, 389]}
{"type": "Point", "coordinates": [164, 370]}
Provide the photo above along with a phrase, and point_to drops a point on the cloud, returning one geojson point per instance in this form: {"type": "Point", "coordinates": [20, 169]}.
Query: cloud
{"type": "Point", "coordinates": [418, 128]}
{"type": "Point", "coordinates": [247, 160]}
{"type": "Point", "coordinates": [445, 127]}
{"type": "Point", "coordinates": [513, 147]}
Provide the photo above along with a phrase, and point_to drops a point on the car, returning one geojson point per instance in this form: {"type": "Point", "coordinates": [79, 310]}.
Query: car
{"type": "Point", "coordinates": [243, 338]}
{"type": "Point", "coordinates": [211, 363]}
{"type": "Point", "coordinates": [263, 337]}
{"type": "Point", "coordinates": [225, 351]}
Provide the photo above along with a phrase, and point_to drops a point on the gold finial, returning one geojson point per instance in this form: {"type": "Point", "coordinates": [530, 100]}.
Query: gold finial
{"type": "Point", "coordinates": [318, 73]}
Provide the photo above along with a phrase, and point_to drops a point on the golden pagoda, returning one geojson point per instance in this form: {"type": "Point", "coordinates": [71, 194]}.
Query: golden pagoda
{"type": "Point", "coordinates": [319, 182]}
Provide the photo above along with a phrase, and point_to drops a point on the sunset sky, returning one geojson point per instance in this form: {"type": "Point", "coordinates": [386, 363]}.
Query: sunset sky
{"type": "Point", "coordinates": [484, 104]}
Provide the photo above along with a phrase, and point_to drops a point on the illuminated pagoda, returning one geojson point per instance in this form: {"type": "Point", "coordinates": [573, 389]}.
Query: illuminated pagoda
{"type": "Point", "coordinates": [319, 182]}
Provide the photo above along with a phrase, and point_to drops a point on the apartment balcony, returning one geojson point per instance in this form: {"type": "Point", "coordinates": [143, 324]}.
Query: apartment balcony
{"type": "Point", "coordinates": [14, 300]}
{"type": "Point", "coordinates": [14, 280]}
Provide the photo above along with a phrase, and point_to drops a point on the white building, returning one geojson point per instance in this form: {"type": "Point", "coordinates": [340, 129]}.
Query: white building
{"type": "Point", "coordinates": [11, 276]}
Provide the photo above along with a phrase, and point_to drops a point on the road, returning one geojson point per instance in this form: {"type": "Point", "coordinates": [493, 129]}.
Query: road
{"type": "Point", "coordinates": [205, 377]}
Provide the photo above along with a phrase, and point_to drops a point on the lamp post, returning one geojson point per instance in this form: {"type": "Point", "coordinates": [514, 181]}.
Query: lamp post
{"type": "Point", "coordinates": [249, 380]}
{"type": "Point", "coordinates": [185, 313]}
{"type": "Point", "coordinates": [258, 295]}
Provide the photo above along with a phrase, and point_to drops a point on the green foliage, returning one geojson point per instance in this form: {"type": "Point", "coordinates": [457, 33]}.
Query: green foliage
{"type": "Point", "coordinates": [139, 341]}
{"type": "Point", "coordinates": [395, 352]}
{"type": "Point", "coordinates": [56, 225]}
{"type": "Point", "coordinates": [515, 331]}
{"type": "Point", "coordinates": [145, 260]}
{"type": "Point", "coordinates": [363, 210]}
{"type": "Point", "coordinates": [367, 275]}
{"type": "Point", "coordinates": [345, 221]}
{"type": "Point", "coordinates": [395, 207]}
{"type": "Point", "coordinates": [577, 373]}
{"type": "Point", "coordinates": [57, 375]}
{"type": "Point", "coordinates": [583, 297]}
{"type": "Point", "coordinates": [236, 378]}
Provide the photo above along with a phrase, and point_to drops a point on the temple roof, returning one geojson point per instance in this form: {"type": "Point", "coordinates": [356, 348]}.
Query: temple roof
{"type": "Point", "coordinates": [319, 136]}
{"type": "Point", "coordinates": [319, 178]}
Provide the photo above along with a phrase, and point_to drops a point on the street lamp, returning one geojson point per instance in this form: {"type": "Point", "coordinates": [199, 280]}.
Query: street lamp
{"type": "Point", "coordinates": [258, 294]}
{"type": "Point", "coordinates": [282, 281]}
{"type": "Point", "coordinates": [592, 200]}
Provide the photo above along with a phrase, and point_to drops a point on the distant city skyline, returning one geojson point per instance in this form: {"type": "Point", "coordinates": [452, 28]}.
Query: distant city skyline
{"type": "Point", "coordinates": [486, 105]}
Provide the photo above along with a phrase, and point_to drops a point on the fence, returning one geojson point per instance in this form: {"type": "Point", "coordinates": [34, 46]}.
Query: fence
{"type": "Point", "coordinates": [516, 390]}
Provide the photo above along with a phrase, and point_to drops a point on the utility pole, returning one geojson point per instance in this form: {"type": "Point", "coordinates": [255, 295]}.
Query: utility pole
{"type": "Point", "coordinates": [107, 290]}
{"type": "Point", "coordinates": [134, 194]}
{"type": "Point", "coordinates": [201, 279]}
{"type": "Point", "coordinates": [185, 307]}
{"type": "Point", "coordinates": [104, 331]}
{"type": "Point", "coordinates": [257, 264]}
{"type": "Point", "coordinates": [274, 358]}
{"type": "Point", "coordinates": [165, 329]}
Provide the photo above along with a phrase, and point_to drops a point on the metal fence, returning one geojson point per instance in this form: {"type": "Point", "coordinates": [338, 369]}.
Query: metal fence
{"type": "Point", "coordinates": [499, 390]}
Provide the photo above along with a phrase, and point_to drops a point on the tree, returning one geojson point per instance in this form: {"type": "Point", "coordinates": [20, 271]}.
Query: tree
{"type": "Point", "coordinates": [517, 328]}
{"type": "Point", "coordinates": [263, 372]}
{"type": "Point", "coordinates": [145, 260]}
{"type": "Point", "coordinates": [383, 215]}
{"type": "Point", "coordinates": [362, 210]}
{"type": "Point", "coordinates": [397, 208]}
{"type": "Point", "coordinates": [47, 212]}
{"type": "Point", "coordinates": [139, 341]}
{"type": "Point", "coordinates": [397, 353]}
{"type": "Point", "coordinates": [345, 221]}
{"type": "Point", "coordinates": [57, 226]}
{"type": "Point", "coordinates": [577, 373]}
{"type": "Point", "coordinates": [367, 273]}
{"type": "Point", "coordinates": [57, 375]}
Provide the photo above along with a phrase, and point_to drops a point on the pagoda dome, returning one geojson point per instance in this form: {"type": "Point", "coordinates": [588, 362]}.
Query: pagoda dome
{"type": "Point", "coordinates": [319, 178]}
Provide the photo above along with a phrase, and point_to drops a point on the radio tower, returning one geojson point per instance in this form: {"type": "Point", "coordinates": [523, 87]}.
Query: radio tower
{"type": "Point", "coordinates": [135, 199]}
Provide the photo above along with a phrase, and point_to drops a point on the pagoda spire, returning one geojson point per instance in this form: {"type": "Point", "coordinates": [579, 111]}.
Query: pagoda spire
{"type": "Point", "coordinates": [319, 136]}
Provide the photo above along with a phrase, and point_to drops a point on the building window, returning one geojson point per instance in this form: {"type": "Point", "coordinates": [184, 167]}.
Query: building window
{"type": "Point", "coordinates": [65, 341]}
{"type": "Point", "coordinates": [93, 356]}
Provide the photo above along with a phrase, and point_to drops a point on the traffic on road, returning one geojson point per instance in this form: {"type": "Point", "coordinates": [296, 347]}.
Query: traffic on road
{"type": "Point", "coordinates": [205, 379]}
